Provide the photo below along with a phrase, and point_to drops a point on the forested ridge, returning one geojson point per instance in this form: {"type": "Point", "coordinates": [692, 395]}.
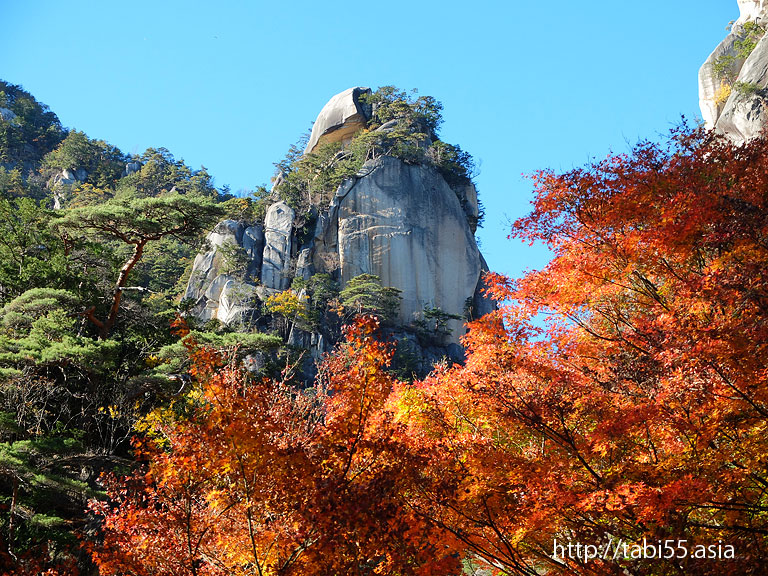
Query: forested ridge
{"type": "Point", "coordinates": [616, 395]}
{"type": "Point", "coordinates": [94, 251]}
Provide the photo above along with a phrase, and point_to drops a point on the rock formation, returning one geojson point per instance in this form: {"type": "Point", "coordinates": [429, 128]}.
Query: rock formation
{"type": "Point", "coordinates": [278, 243]}
{"type": "Point", "coordinates": [733, 80]}
{"type": "Point", "coordinates": [7, 115]}
{"type": "Point", "coordinates": [341, 118]}
{"type": "Point", "coordinates": [396, 220]}
{"type": "Point", "coordinates": [221, 286]}
{"type": "Point", "coordinates": [750, 10]}
{"type": "Point", "coordinates": [132, 167]}
{"type": "Point", "coordinates": [61, 183]}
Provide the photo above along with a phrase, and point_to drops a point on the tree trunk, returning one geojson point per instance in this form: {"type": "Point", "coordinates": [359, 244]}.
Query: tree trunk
{"type": "Point", "coordinates": [11, 526]}
{"type": "Point", "coordinates": [106, 327]}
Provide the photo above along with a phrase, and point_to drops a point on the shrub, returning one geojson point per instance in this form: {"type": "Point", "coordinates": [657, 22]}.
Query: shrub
{"type": "Point", "coordinates": [723, 93]}
{"type": "Point", "coordinates": [746, 88]}
{"type": "Point", "coordinates": [752, 32]}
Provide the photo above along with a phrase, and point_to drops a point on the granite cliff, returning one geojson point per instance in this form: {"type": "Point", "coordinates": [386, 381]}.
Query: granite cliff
{"type": "Point", "coordinates": [395, 217]}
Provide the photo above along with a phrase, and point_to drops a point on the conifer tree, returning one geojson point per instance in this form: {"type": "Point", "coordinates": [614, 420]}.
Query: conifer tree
{"type": "Point", "coordinates": [137, 221]}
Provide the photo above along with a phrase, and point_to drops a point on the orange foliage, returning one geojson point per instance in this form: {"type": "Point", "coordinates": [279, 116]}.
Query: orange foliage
{"type": "Point", "coordinates": [259, 478]}
{"type": "Point", "coordinates": [640, 409]}
{"type": "Point", "coordinates": [637, 410]}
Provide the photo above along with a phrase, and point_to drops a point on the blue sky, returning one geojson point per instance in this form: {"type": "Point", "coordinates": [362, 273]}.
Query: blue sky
{"type": "Point", "coordinates": [525, 85]}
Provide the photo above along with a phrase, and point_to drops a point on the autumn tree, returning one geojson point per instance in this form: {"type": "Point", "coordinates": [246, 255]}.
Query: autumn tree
{"type": "Point", "coordinates": [69, 399]}
{"type": "Point", "coordinates": [290, 308]}
{"type": "Point", "coordinates": [249, 477]}
{"type": "Point", "coordinates": [137, 221]}
{"type": "Point", "coordinates": [638, 411]}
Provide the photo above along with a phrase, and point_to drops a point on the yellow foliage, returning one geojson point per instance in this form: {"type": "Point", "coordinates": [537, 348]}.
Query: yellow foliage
{"type": "Point", "coordinates": [723, 93]}
{"type": "Point", "coordinates": [111, 410]}
{"type": "Point", "coordinates": [288, 305]}
{"type": "Point", "coordinates": [86, 194]}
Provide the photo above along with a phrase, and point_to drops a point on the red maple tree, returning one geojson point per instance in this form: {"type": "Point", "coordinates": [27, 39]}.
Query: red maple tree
{"type": "Point", "coordinates": [256, 477]}
{"type": "Point", "coordinates": [639, 409]}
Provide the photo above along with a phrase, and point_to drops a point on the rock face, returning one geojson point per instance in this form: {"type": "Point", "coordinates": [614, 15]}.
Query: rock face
{"type": "Point", "coordinates": [467, 195]}
{"type": "Point", "coordinates": [7, 115]}
{"type": "Point", "coordinates": [340, 119]}
{"type": "Point", "coordinates": [278, 236]}
{"type": "Point", "coordinates": [750, 10]}
{"type": "Point", "coordinates": [404, 224]}
{"type": "Point", "coordinates": [217, 290]}
{"type": "Point", "coordinates": [745, 114]}
{"type": "Point", "coordinates": [132, 167]}
{"type": "Point", "coordinates": [732, 89]}
{"type": "Point", "coordinates": [64, 178]}
{"type": "Point", "coordinates": [253, 244]}
{"type": "Point", "coordinates": [60, 182]}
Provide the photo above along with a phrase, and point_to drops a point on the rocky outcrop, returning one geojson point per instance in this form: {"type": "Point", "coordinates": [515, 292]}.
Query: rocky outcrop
{"type": "Point", "coordinates": [750, 10]}
{"type": "Point", "coordinates": [7, 115]}
{"type": "Point", "coordinates": [238, 302]}
{"type": "Point", "coordinates": [253, 244]}
{"type": "Point", "coordinates": [278, 239]}
{"type": "Point", "coordinates": [219, 288]}
{"type": "Point", "coordinates": [241, 265]}
{"type": "Point", "coordinates": [745, 113]}
{"type": "Point", "coordinates": [340, 119]}
{"type": "Point", "coordinates": [61, 182]}
{"type": "Point", "coordinates": [132, 167]}
{"type": "Point", "coordinates": [399, 221]}
{"type": "Point", "coordinates": [467, 195]}
{"type": "Point", "coordinates": [732, 88]}
{"type": "Point", "coordinates": [481, 303]}
{"type": "Point", "coordinates": [64, 178]}
{"type": "Point", "coordinates": [710, 83]}
{"type": "Point", "coordinates": [68, 177]}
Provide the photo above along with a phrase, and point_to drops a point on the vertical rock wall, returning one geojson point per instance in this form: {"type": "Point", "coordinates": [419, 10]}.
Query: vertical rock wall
{"type": "Point", "coordinates": [404, 224]}
{"type": "Point", "coordinates": [278, 246]}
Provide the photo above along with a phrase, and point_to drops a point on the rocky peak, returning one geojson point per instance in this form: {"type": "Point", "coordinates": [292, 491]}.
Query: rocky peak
{"type": "Point", "coordinates": [395, 218]}
{"type": "Point", "coordinates": [750, 10]}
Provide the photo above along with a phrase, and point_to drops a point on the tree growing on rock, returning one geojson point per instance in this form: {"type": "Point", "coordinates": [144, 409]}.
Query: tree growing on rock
{"type": "Point", "coordinates": [364, 294]}
{"type": "Point", "coordinates": [103, 163]}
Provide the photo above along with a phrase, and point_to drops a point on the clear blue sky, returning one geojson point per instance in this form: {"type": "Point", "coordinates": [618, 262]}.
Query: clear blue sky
{"type": "Point", "coordinates": [230, 85]}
